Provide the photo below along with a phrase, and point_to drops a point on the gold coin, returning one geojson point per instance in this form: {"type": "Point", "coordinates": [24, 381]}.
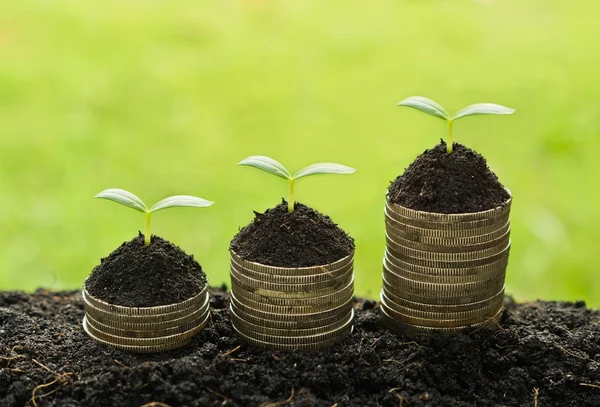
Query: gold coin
{"type": "Point", "coordinates": [277, 313]}
{"type": "Point", "coordinates": [162, 341]}
{"type": "Point", "coordinates": [292, 271]}
{"type": "Point", "coordinates": [450, 217]}
{"type": "Point", "coordinates": [396, 247]}
{"type": "Point", "coordinates": [445, 308]}
{"type": "Point", "coordinates": [329, 284]}
{"type": "Point", "coordinates": [441, 298]}
{"type": "Point", "coordinates": [298, 323]}
{"type": "Point", "coordinates": [450, 241]}
{"type": "Point", "coordinates": [103, 315]}
{"type": "Point", "coordinates": [336, 297]}
{"type": "Point", "coordinates": [458, 271]}
{"type": "Point", "coordinates": [196, 300]}
{"type": "Point", "coordinates": [137, 349]}
{"type": "Point", "coordinates": [428, 282]}
{"type": "Point", "coordinates": [448, 263]}
{"type": "Point", "coordinates": [298, 340]}
{"type": "Point", "coordinates": [441, 289]}
{"type": "Point", "coordinates": [323, 277]}
{"type": "Point", "coordinates": [415, 331]}
{"type": "Point", "coordinates": [440, 233]}
{"type": "Point", "coordinates": [285, 347]}
{"type": "Point", "coordinates": [440, 279]}
{"type": "Point", "coordinates": [246, 326]}
{"type": "Point", "coordinates": [443, 322]}
{"type": "Point", "coordinates": [283, 309]}
{"type": "Point", "coordinates": [446, 224]}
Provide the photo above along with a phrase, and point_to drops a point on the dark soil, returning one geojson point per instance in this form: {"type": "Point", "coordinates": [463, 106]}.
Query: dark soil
{"type": "Point", "coordinates": [460, 182]}
{"type": "Point", "coordinates": [302, 238]}
{"type": "Point", "coordinates": [549, 346]}
{"type": "Point", "coordinates": [136, 275]}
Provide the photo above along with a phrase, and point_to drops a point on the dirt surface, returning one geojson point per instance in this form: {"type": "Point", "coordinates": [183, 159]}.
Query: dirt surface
{"type": "Point", "coordinates": [459, 182]}
{"type": "Point", "coordinates": [136, 275]}
{"type": "Point", "coordinates": [302, 238]}
{"type": "Point", "coordinates": [551, 347]}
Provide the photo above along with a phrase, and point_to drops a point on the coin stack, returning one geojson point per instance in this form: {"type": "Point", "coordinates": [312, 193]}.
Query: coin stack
{"type": "Point", "coordinates": [145, 329]}
{"type": "Point", "coordinates": [292, 308]}
{"type": "Point", "coordinates": [443, 272]}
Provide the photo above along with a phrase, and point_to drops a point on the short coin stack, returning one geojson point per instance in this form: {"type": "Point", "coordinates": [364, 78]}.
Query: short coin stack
{"type": "Point", "coordinates": [443, 272]}
{"type": "Point", "coordinates": [292, 308]}
{"type": "Point", "coordinates": [146, 329]}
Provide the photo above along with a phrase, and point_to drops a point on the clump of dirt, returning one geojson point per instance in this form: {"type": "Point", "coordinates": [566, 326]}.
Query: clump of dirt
{"type": "Point", "coordinates": [136, 275]}
{"type": "Point", "coordinates": [545, 354]}
{"type": "Point", "coordinates": [302, 238]}
{"type": "Point", "coordinates": [460, 182]}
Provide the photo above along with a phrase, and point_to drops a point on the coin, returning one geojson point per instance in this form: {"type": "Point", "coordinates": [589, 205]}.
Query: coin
{"type": "Point", "coordinates": [284, 315]}
{"type": "Point", "coordinates": [344, 294]}
{"type": "Point", "coordinates": [197, 299]}
{"type": "Point", "coordinates": [161, 341]}
{"type": "Point", "coordinates": [453, 224]}
{"type": "Point", "coordinates": [396, 247]}
{"type": "Point", "coordinates": [329, 284]}
{"type": "Point", "coordinates": [437, 320]}
{"type": "Point", "coordinates": [293, 347]}
{"type": "Point", "coordinates": [246, 325]}
{"type": "Point", "coordinates": [460, 233]}
{"type": "Point", "coordinates": [298, 340]}
{"type": "Point", "coordinates": [299, 322]}
{"type": "Point", "coordinates": [443, 279]}
{"type": "Point", "coordinates": [449, 241]}
{"type": "Point", "coordinates": [448, 263]}
{"type": "Point", "coordinates": [291, 271]}
{"type": "Point", "coordinates": [450, 217]}
{"type": "Point", "coordinates": [456, 285]}
{"type": "Point", "coordinates": [322, 277]}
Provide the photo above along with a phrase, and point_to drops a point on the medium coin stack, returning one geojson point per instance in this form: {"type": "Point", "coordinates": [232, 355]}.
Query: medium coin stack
{"type": "Point", "coordinates": [292, 308]}
{"type": "Point", "coordinates": [443, 272]}
{"type": "Point", "coordinates": [145, 329]}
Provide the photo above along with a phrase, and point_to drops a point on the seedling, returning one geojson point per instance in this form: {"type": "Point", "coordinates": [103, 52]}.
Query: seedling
{"type": "Point", "coordinates": [130, 200]}
{"type": "Point", "coordinates": [274, 167]}
{"type": "Point", "coordinates": [430, 107]}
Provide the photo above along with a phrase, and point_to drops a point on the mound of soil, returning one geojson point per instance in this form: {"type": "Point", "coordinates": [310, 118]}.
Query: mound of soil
{"type": "Point", "coordinates": [460, 182]}
{"type": "Point", "coordinates": [545, 354]}
{"type": "Point", "coordinates": [136, 275]}
{"type": "Point", "coordinates": [302, 238]}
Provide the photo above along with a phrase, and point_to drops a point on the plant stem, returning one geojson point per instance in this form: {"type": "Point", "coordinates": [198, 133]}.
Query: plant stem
{"type": "Point", "coordinates": [291, 197]}
{"type": "Point", "coordinates": [449, 141]}
{"type": "Point", "coordinates": [147, 235]}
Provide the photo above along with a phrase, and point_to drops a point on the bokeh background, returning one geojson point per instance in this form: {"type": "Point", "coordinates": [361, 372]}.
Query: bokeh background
{"type": "Point", "coordinates": [162, 98]}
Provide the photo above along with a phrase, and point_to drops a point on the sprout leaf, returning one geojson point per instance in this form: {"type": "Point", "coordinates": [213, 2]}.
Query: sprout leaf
{"type": "Point", "coordinates": [268, 165]}
{"type": "Point", "coordinates": [425, 105]}
{"type": "Point", "coordinates": [482, 108]}
{"type": "Point", "coordinates": [324, 168]}
{"type": "Point", "coordinates": [180, 200]}
{"type": "Point", "coordinates": [124, 198]}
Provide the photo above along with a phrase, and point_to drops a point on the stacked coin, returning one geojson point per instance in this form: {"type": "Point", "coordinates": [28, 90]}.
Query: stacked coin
{"type": "Point", "coordinates": [292, 308]}
{"type": "Point", "coordinates": [443, 272]}
{"type": "Point", "coordinates": [146, 329]}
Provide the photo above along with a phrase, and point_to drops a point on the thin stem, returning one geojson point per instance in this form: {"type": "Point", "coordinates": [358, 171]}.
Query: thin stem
{"type": "Point", "coordinates": [147, 235]}
{"type": "Point", "coordinates": [449, 141]}
{"type": "Point", "coordinates": [291, 197]}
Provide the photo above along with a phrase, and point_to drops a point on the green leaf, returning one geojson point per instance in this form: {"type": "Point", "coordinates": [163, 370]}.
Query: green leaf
{"type": "Point", "coordinates": [180, 200]}
{"type": "Point", "coordinates": [124, 198]}
{"type": "Point", "coordinates": [267, 164]}
{"type": "Point", "coordinates": [482, 108]}
{"type": "Point", "coordinates": [324, 168]}
{"type": "Point", "coordinates": [425, 105]}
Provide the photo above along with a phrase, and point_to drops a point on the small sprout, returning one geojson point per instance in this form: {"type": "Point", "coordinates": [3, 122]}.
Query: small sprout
{"type": "Point", "coordinates": [274, 167]}
{"type": "Point", "coordinates": [430, 107]}
{"type": "Point", "coordinates": [130, 200]}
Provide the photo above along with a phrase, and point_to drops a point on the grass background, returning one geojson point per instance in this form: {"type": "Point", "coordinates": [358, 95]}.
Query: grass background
{"type": "Point", "coordinates": [164, 98]}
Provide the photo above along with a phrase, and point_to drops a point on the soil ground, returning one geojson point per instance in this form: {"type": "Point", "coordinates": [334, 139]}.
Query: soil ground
{"type": "Point", "coordinates": [546, 354]}
{"type": "Point", "coordinates": [316, 240]}
{"type": "Point", "coordinates": [136, 275]}
{"type": "Point", "coordinates": [459, 182]}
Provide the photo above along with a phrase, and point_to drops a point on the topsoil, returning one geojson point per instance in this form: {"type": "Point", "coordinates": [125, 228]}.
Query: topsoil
{"type": "Point", "coordinates": [545, 354]}
{"type": "Point", "coordinates": [460, 182]}
{"type": "Point", "coordinates": [302, 238]}
{"type": "Point", "coordinates": [136, 275]}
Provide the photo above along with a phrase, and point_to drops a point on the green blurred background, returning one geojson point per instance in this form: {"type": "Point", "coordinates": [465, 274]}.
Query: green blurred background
{"type": "Point", "coordinates": [162, 98]}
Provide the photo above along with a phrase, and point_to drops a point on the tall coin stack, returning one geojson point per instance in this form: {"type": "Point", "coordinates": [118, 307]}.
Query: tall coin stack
{"type": "Point", "coordinates": [443, 272]}
{"type": "Point", "coordinates": [292, 308]}
{"type": "Point", "coordinates": [146, 329]}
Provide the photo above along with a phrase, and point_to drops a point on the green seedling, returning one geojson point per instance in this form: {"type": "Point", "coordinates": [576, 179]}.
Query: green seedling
{"type": "Point", "coordinates": [430, 107]}
{"type": "Point", "coordinates": [274, 167]}
{"type": "Point", "coordinates": [130, 200]}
